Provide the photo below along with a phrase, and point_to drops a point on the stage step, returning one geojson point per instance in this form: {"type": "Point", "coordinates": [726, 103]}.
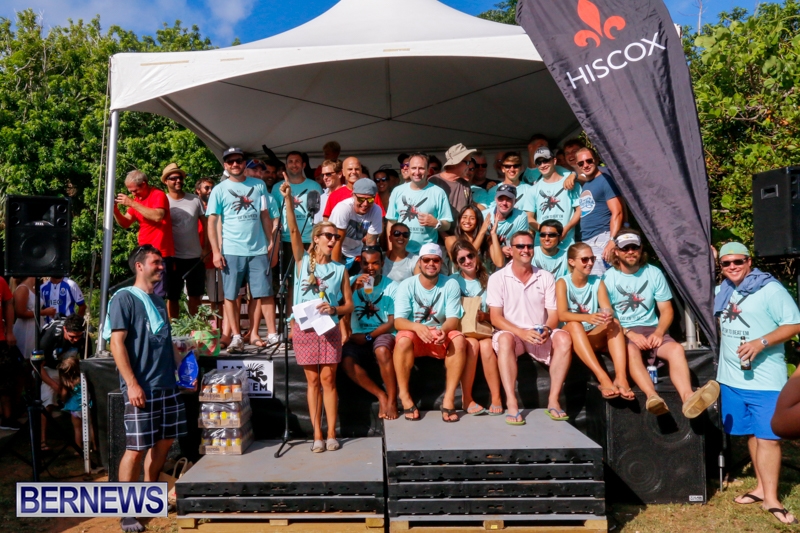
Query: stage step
{"type": "Point", "coordinates": [480, 467]}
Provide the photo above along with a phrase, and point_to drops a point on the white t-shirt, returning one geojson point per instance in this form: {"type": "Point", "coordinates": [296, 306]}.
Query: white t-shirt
{"type": "Point", "coordinates": [185, 214]}
{"type": "Point", "coordinates": [356, 226]}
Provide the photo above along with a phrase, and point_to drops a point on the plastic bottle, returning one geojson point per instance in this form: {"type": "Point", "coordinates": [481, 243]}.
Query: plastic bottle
{"type": "Point", "coordinates": [205, 411]}
{"type": "Point", "coordinates": [236, 436]}
{"type": "Point", "coordinates": [234, 412]}
{"type": "Point", "coordinates": [236, 384]}
{"type": "Point", "coordinates": [207, 439]}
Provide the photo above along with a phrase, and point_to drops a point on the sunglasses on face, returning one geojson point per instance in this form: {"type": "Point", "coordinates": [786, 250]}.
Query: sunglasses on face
{"type": "Point", "coordinates": [540, 162]}
{"type": "Point", "coordinates": [512, 166]}
{"type": "Point", "coordinates": [585, 162]}
{"type": "Point", "coordinates": [737, 262]}
{"type": "Point", "coordinates": [403, 234]}
{"type": "Point", "coordinates": [381, 180]}
{"type": "Point", "coordinates": [631, 248]}
{"type": "Point", "coordinates": [174, 178]}
{"type": "Point", "coordinates": [548, 235]}
{"type": "Point", "coordinates": [481, 165]}
{"type": "Point", "coordinates": [361, 200]}
{"type": "Point", "coordinates": [327, 174]}
{"type": "Point", "coordinates": [404, 165]}
{"type": "Point", "coordinates": [434, 260]}
{"type": "Point", "coordinates": [523, 246]}
{"type": "Point", "coordinates": [331, 236]}
{"type": "Point", "coordinates": [470, 256]}
{"type": "Point", "coordinates": [234, 161]}
{"type": "Point", "coordinates": [588, 259]}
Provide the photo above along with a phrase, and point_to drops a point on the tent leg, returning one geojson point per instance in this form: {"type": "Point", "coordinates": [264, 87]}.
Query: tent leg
{"type": "Point", "coordinates": [108, 223]}
{"type": "Point", "coordinates": [691, 331]}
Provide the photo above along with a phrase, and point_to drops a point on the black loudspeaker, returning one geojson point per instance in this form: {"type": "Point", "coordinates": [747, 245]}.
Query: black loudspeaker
{"type": "Point", "coordinates": [649, 459]}
{"type": "Point", "coordinates": [776, 212]}
{"type": "Point", "coordinates": [38, 236]}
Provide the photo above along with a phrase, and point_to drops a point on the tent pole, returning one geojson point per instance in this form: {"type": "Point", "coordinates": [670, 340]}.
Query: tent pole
{"type": "Point", "coordinates": [691, 331]}
{"type": "Point", "coordinates": [108, 223]}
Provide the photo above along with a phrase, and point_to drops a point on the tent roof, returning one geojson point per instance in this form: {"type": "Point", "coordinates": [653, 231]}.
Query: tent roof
{"type": "Point", "coordinates": [376, 75]}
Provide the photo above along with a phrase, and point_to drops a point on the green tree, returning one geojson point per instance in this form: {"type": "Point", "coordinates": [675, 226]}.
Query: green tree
{"type": "Point", "coordinates": [505, 12]}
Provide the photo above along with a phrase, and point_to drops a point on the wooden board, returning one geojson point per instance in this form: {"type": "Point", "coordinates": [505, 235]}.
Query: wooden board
{"type": "Point", "coordinates": [465, 526]}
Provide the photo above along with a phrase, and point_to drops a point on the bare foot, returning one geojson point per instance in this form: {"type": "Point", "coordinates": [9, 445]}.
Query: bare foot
{"type": "Point", "coordinates": [391, 409]}
{"type": "Point", "coordinates": [383, 401]}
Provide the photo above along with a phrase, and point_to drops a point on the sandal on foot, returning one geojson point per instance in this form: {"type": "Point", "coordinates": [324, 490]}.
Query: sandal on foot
{"type": "Point", "coordinates": [495, 410]}
{"type": "Point", "coordinates": [318, 446]}
{"type": "Point", "coordinates": [332, 445]}
{"type": "Point", "coordinates": [448, 413]}
{"type": "Point", "coordinates": [515, 420]}
{"type": "Point", "coordinates": [701, 399]}
{"type": "Point", "coordinates": [656, 405]}
{"type": "Point", "coordinates": [475, 409]}
{"type": "Point", "coordinates": [603, 390]}
{"type": "Point", "coordinates": [752, 497]}
{"type": "Point", "coordinates": [130, 525]}
{"type": "Point", "coordinates": [626, 390]}
{"type": "Point", "coordinates": [410, 411]}
{"type": "Point", "coordinates": [257, 343]}
{"type": "Point", "coordinates": [559, 416]}
{"type": "Point", "coordinates": [776, 511]}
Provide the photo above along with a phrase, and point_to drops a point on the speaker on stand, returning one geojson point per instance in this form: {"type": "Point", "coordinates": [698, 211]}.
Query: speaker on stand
{"type": "Point", "coordinates": [38, 236]}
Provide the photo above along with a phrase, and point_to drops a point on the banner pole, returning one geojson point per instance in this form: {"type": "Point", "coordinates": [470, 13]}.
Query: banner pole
{"type": "Point", "coordinates": [108, 224]}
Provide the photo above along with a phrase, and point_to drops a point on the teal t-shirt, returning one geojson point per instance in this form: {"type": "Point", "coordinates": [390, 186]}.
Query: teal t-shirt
{"type": "Point", "coordinates": [532, 175]}
{"type": "Point", "coordinates": [406, 203]}
{"type": "Point", "coordinates": [481, 196]}
{"type": "Point", "coordinates": [752, 317]}
{"type": "Point", "coordinates": [239, 206]}
{"type": "Point", "coordinates": [273, 207]}
{"type": "Point", "coordinates": [470, 288]}
{"type": "Point", "coordinates": [556, 265]}
{"type": "Point", "coordinates": [634, 296]}
{"type": "Point", "coordinates": [523, 191]}
{"type": "Point", "coordinates": [428, 307]}
{"type": "Point", "coordinates": [300, 197]}
{"type": "Point", "coordinates": [516, 221]}
{"type": "Point", "coordinates": [551, 201]}
{"type": "Point", "coordinates": [372, 310]}
{"type": "Point", "coordinates": [328, 281]}
{"type": "Point", "coordinates": [583, 300]}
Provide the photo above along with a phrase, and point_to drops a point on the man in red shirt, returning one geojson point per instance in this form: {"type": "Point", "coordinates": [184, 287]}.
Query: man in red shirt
{"type": "Point", "coordinates": [150, 208]}
{"type": "Point", "coordinates": [9, 367]}
{"type": "Point", "coordinates": [352, 172]}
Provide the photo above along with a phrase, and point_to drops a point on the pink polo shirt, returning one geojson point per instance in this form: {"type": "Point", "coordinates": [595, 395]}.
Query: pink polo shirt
{"type": "Point", "coordinates": [524, 305]}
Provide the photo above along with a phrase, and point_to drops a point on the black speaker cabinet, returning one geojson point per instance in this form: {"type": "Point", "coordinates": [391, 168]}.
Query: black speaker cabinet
{"type": "Point", "coordinates": [776, 212]}
{"type": "Point", "coordinates": [649, 459]}
{"type": "Point", "coordinates": [38, 236]}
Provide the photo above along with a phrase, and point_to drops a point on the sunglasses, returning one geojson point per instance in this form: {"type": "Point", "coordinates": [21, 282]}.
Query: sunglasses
{"type": "Point", "coordinates": [381, 180]}
{"type": "Point", "coordinates": [540, 162]}
{"type": "Point", "coordinates": [481, 165]}
{"type": "Point", "coordinates": [331, 236]}
{"type": "Point", "coordinates": [234, 161]}
{"type": "Point", "coordinates": [512, 166]}
{"type": "Point", "coordinates": [470, 256]}
{"type": "Point", "coordinates": [588, 259]}
{"type": "Point", "coordinates": [434, 260]}
{"type": "Point", "coordinates": [631, 248]}
{"type": "Point", "coordinates": [585, 162]}
{"type": "Point", "coordinates": [174, 178]}
{"type": "Point", "coordinates": [548, 235]}
{"type": "Point", "coordinates": [404, 165]}
{"type": "Point", "coordinates": [327, 174]}
{"type": "Point", "coordinates": [403, 234]}
{"type": "Point", "coordinates": [368, 200]}
{"type": "Point", "coordinates": [737, 262]}
{"type": "Point", "coordinates": [523, 246]}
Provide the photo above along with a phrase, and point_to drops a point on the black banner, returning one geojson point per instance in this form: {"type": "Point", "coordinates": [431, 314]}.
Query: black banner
{"type": "Point", "coordinates": [620, 65]}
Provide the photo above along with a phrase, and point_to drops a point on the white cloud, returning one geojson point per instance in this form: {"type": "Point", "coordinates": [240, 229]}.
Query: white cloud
{"type": "Point", "coordinates": [216, 19]}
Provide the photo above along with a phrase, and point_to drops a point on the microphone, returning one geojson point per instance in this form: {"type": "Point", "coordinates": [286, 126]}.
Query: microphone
{"type": "Point", "coordinates": [312, 202]}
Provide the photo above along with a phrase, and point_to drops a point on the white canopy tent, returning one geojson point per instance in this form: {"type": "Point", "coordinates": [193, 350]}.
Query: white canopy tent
{"type": "Point", "coordinates": [378, 76]}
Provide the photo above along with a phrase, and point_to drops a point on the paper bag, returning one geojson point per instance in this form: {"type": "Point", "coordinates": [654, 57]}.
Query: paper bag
{"type": "Point", "coordinates": [470, 326]}
{"type": "Point", "coordinates": [180, 468]}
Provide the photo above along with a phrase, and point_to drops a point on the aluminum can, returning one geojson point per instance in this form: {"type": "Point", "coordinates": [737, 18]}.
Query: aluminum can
{"type": "Point", "coordinates": [653, 371]}
{"type": "Point", "coordinates": [538, 328]}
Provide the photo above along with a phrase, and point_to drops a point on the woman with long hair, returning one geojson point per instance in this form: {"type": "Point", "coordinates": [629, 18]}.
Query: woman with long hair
{"type": "Point", "coordinates": [318, 276]}
{"type": "Point", "coordinates": [472, 228]}
{"type": "Point", "coordinates": [472, 277]}
{"type": "Point", "coordinates": [585, 309]}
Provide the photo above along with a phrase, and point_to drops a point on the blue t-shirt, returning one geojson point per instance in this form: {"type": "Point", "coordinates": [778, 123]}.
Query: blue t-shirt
{"type": "Point", "coordinates": [300, 206]}
{"type": "Point", "coordinates": [428, 307]}
{"type": "Point", "coordinates": [372, 310]}
{"type": "Point", "coordinates": [63, 296]}
{"type": "Point", "coordinates": [552, 201]}
{"type": "Point", "coordinates": [595, 214]}
{"type": "Point", "coordinates": [239, 206]}
{"type": "Point", "coordinates": [635, 296]}
{"type": "Point", "coordinates": [471, 288]}
{"type": "Point", "coordinates": [516, 221]}
{"type": "Point", "coordinates": [748, 318]}
{"type": "Point", "coordinates": [583, 300]}
{"type": "Point", "coordinates": [481, 196]}
{"type": "Point", "coordinates": [532, 175]}
{"type": "Point", "coordinates": [556, 265]}
{"type": "Point", "coordinates": [406, 203]}
{"type": "Point", "coordinates": [523, 192]}
{"type": "Point", "coordinates": [328, 281]}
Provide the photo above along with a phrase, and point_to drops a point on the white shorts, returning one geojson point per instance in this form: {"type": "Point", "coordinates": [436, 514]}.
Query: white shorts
{"type": "Point", "coordinates": [598, 244]}
{"type": "Point", "coordinates": [48, 394]}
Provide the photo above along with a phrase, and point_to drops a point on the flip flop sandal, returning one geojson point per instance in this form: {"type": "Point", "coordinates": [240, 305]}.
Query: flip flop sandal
{"type": "Point", "coordinates": [476, 409]}
{"type": "Point", "coordinates": [448, 412]}
{"type": "Point", "coordinates": [559, 414]}
{"type": "Point", "coordinates": [656, 405]}
{"type": "Point", "coordinates": [515, 419]}
{"type": "Point", "coordinates": [784, 512]}
{"type": "Point", "coordinates": [612, 389]}
{"type": "Point", "coordinates": [496, 413]}
{"type": "Point", "coordinates": [411, 411]}
{"type": "Point", "coordinates": [753, 499]}
{"type": "Point", "coordinates": [258, 343]}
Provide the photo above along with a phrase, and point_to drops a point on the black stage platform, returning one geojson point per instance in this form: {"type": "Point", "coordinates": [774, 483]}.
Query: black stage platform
{"type": "Point", "coordinates": [481, 467]}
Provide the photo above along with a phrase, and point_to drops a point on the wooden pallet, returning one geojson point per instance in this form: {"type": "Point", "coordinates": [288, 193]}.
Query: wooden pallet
{"type": "Point", "coordinates": [281, 523]}
{"type": "Point", "coordinates": [465, 525]}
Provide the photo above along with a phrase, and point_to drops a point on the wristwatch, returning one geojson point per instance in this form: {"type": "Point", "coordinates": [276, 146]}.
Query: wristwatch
{"type": "Point", "coordinates": [438, 224]}
{"type": "Point", "coordinates": [764, 342]}
{"type": "Point", "coordinates": [368, 337]}
{"type": "Point", "coordinates": [333, 310]}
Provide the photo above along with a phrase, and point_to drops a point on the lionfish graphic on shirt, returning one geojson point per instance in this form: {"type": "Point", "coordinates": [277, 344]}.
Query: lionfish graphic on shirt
{"type": "Point", "coordinates": [633, 300]}
{"type": "Point", "coordinates": [243, 202]}
{"type": "Point", "coordinates": [579, 307]}
{"type": "Point", "coordinates": [368, 309]}
{"type": "Point", "coordinates": [550, 202]}
{"type": "Point", "coordinates": [425, 311]}
{"type": "Point", "coordinates": [317, 286]}
{"type": "Point", "coordinates": [411, 211]}
{"type": "Point", "coordinates": [734, 312]}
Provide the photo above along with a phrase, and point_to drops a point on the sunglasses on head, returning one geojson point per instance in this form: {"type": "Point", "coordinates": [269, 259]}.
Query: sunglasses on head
{"type": "Point", "coordinates": [362, 200]}
{"type": "Point", "coordinates": [403, 234]}
{"type": "Point", "coordinates": [549, 235]}
{"type": "Point", "coordinates": [464, 258]}
{"type": "Point", "coordinates": [381, 180]}
{"type": "Point", "coordinates": [234, 161]}
{"type": "Point", "coordinates": [737, 262]}
{"type": "Point", "coordinates": [631, 248]}
{"type": "Point", "coordinates": [513, 165]}
{"type": "Point", "coordinates": [331, 236]}
{"type": "Point", "coordinates": [523, 246]}
{"type": "Point", "coordinates": [434, 260]}
{"type": "Point", "coordinates": [588, 259]}
{"type": "Point", "coordinates": [585, 162]}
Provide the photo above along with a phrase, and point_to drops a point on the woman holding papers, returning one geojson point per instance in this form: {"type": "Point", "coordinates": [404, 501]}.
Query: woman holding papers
{"type": "Point", "coordinates": [317, 277]}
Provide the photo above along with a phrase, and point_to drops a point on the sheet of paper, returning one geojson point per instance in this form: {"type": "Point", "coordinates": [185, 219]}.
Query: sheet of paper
{"type": "Point", "coordinates": [323, 324]}
{"type": "Point", "coordinates": [306, 313]}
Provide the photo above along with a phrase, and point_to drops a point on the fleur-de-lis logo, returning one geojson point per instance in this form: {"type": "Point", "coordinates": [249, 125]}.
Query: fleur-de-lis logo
{"type": "Point", "coordinates": [590, 14]}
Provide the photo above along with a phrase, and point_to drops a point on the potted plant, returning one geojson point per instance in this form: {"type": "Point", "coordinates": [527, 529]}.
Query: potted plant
{"type": "Point", "coordinates": [200, 329]}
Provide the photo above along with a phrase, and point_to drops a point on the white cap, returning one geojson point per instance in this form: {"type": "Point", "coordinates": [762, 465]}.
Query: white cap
{"type": "Point", "coordinates": [430, 249]}
{"type": "Point", "coordinates": [628, 238]}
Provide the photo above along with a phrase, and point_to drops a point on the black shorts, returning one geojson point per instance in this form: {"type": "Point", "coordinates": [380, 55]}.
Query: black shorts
{"type": "Point", "coordinates": [10, 368]}
{"type": "Point", "coordinates": [195, 280]}
{"type": "Point", "coordinates": [163, 417]}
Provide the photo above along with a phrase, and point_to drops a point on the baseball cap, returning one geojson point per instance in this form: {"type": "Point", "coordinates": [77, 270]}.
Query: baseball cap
{"type": "Point", "coordinates": [734, 248]}
{"type": "Point", "coordinates": [542, 153]}
{"type": "Point", "coordinates": [232, 151]}
{"type": "Point", "coordinates": [430, 248]}
{"type": "Point", "coordinates": [504, 189]}
{"type": "Point", "coordinates": [627, 238]}
{"type": "Point", "coordinates": [456, 154]}
{"type": "Point", "coordinates": [365, 186]}
{"type": "Point", "coordinates": [253, 163]}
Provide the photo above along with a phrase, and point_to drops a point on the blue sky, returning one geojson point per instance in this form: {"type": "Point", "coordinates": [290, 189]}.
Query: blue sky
{"type": "Point", "coordinates": [250, 20]}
